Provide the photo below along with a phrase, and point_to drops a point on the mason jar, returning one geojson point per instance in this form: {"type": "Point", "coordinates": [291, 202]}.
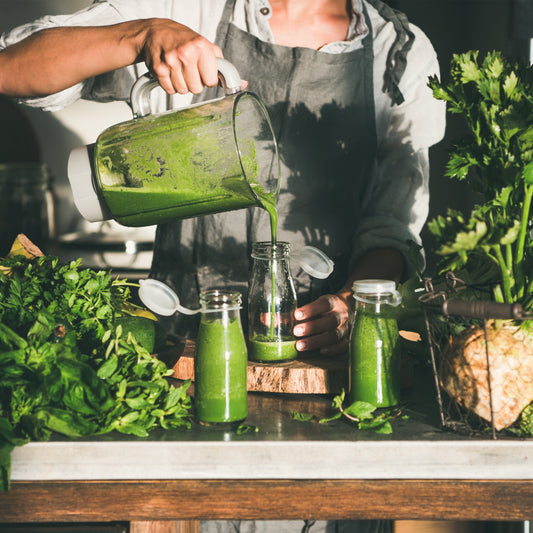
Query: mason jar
{"type": "Point", "coordinates": [221, 361]}
{"type": "Point", "coordinates": [374, 363]}
{"type": "Point", "coordinates": [26, 204]}
{"type": "Point", "coordinates": [271, 304]}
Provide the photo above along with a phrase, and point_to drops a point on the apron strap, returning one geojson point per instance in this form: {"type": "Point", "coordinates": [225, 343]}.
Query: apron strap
{"type": "Point", "coordinates": [397, 56]}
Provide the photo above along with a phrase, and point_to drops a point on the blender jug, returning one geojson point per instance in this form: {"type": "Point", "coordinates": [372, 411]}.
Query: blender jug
{"type": "Point", "coordinates": [211, 157]}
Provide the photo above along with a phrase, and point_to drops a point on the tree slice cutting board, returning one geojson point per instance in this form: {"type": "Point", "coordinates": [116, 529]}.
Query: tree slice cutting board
{"type": "Point", "coordinates": [309, 374]}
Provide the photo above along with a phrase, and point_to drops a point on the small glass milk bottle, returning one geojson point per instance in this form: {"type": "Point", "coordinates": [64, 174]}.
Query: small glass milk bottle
{"type": "Point", "coordinates": [221, 361]}
{"type": "Point", "coordinates": [374, 351]}
{"type": "Point", "coordinates": [271, 304]}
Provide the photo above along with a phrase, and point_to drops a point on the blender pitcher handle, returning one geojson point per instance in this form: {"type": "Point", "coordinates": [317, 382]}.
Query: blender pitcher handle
{"type": "Point", "coordinates": [140, 92]}
{"type": "Point", "coordinates": [229, 76]}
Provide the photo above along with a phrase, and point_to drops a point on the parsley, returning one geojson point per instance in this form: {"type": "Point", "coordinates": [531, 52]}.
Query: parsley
{"type": "Point", "coordinates": [65, 367]}
{"type": "Point", "coordinates": [524, 427]}
{"type": "Point", "coordinates": [302, 417]}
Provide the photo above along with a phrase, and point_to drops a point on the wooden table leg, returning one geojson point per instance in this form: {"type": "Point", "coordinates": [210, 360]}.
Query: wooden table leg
{"type": "Point", "coordinates": [166, 526]}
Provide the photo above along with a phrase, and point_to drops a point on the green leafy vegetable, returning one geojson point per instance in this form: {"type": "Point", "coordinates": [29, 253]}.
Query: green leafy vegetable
{"type": "Point", "coordinates": [524, 427]}
{"type": "Point", "coordinates": [242, 429]}
{"type": "Point", "coordinates": [495, 158]}
{"type": "Point", "coordinates": [302, 417]}
{"type": "Point", "coordinates": [66, 364]}
{"type": "Point", "coordinates": [364, 415]}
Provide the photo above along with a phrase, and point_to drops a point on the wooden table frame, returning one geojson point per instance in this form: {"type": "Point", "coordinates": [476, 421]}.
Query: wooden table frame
{"type": "Point", "coordinates": [157, 502]}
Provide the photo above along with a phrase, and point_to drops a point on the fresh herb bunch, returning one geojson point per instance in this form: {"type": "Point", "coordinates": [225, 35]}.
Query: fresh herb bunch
{"type": "Point", "coordinates": [495, 158]}
{"type": "Point", "coordinates": [64, 365]}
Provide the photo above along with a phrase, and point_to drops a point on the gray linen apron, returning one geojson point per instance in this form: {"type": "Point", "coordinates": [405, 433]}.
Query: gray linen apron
{"type": "Point", "coordinates": [322, 110]}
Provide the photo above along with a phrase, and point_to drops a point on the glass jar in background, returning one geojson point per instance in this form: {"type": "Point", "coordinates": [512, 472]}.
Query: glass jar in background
{"type": "Point", "coordinates": [374, 350]}
{"type": "Point", "coordinates": [271, 304]}
{"type": "Point", "coordinates": [221, 361]}
{"type": "Point", "coordinates": [26, 204]}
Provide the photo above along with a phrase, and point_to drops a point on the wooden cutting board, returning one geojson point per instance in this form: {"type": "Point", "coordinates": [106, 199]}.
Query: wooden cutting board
{"type": "Point", "coordinates": [309, 374]}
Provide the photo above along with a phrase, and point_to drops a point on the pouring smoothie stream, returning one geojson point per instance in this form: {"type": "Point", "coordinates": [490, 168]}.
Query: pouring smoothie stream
{"type": "Point", "coordinates": [272, 298]}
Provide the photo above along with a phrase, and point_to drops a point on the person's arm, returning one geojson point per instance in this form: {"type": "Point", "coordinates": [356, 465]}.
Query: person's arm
{"type": "Point", "coordinates": [57, 58]}
{"type": "Point", "coordinates": [325, 323]}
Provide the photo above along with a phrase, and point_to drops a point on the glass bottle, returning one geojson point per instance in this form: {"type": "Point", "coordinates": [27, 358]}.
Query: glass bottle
{"type": "Point", "coordinates": [26, 204]}
{"type": "Point", "coordinates": [271, 304]}
{"type": "Point", "coordinates": [221, 360]}
{"type": "Point", "coordinates": [374, 352]}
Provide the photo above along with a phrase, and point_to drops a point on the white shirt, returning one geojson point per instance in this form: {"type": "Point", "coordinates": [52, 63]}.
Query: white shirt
{"type": "Point", "coordinates": [404, 132]}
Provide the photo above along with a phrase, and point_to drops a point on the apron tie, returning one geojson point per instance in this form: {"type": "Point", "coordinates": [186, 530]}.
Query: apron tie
{"type": "Point", "coordinates": [397, 56]}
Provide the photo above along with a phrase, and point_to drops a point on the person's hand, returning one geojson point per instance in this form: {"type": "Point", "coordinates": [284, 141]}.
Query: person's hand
{"type": "Point", "coordinates": [182, 60]}
{"type": "Point", "coordinates": [323, 325]}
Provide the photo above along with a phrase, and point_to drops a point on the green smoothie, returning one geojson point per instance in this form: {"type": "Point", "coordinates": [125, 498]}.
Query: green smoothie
{"type": "Point", "coordinates": [143, 207]}
{"type": "Point", "coordinates": [374, 358]}
{"type": "Point", "coordinates": [183, 164]}
{"type": "Point", "coordinates": [264, 350]}
{"type": "Point", "coordinates": [220, 367]}
{"type": "Point", "coordinates": [268, 203]}
{"type": "Point", "coordinates": [272, 348]}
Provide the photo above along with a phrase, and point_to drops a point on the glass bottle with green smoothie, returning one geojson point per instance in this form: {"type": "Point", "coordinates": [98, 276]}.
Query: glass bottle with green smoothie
{"type": "Point", "coordinates": [221, 361]}
{"type": "Point", "coordinates": [271, 304]}
{"type": "Point", "coordinates": [374, 351]}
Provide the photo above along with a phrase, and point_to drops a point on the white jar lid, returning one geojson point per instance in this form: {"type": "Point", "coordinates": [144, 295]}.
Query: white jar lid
{"type": "Point", "coordinates": [374, 286]}
{"type": "Point", "coordinates": [315, 262]}
{"type": "Point", "coordinates": [161, 299]}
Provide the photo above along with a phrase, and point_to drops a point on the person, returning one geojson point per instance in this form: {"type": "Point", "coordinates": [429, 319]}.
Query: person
{"type": "Point", "coordinates": [345, 85]}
